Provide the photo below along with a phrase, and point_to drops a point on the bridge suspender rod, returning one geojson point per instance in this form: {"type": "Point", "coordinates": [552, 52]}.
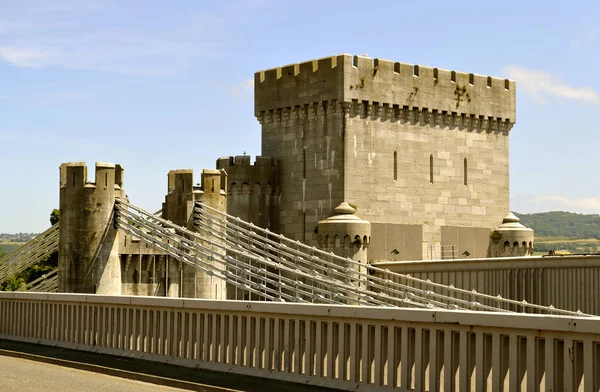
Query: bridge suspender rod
{"type": "Point", "coordinates": [281, 269]}
{"type": "Point", "coordinates": [192, 258]}
{"type": "Point", "coordinates": [32, 252]}
{"type": "Point", "coordinates": [393, 279]}
{"type": "Point", "coordinates": [397, 298]}
{"type": "Point", "coordinates": [231, 267]}
{"type": "Point", "coordinates": [325, 290]}
{"type": "Point", "coordinates": [231, 262]}
{"type": "Point", "coordinates": [45, 283]}
{"type": "Point", "coordinates": [332, 274]}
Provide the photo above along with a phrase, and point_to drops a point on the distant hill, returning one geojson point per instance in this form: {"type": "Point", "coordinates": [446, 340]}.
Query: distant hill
{"type": "Point", "coordinates": [562, 224]}
{"type": "Point", "coordinates": [12, 241]}
{"type": "Point", "coordinates": [9, 247]}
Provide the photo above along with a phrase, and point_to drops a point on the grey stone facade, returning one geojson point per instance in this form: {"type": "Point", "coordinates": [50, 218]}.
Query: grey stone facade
{"type": "Point", "coordinates": [421, 152]}
{"type": "Point", "coordinates": [88, 254]}
{"type": "Point", "coordinates": [94, 257]}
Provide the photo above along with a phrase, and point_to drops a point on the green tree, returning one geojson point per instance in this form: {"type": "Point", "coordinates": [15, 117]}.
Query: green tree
{"type": "Point", "coordinates": [54, 216]}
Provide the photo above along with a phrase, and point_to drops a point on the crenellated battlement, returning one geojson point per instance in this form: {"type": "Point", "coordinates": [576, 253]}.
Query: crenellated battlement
{"type": "Point", "coordinates": [253, 188]}
{"type": "Point", "coordinates": [326, 84]}
{"type": "Point", "coordinates": [182, 193]}
{"type": "Point", "coordinates": [247, 178]}
{"type": "Point", "coordinates": [108, 176]}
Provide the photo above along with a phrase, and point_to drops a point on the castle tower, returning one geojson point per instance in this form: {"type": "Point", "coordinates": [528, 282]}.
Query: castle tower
{"type": "Point", "coordinates": [511, 238]}
{"type": "Point", "coordinates": [184, 280]}
{"type": "Point", "coordinates": [252, 189]}
{"type": "Point", "coordinates": [422, 152]}
{"type": "Point", "coordinates": [88, 256]}
{"type": "Point", "coordinates": [346, 235]}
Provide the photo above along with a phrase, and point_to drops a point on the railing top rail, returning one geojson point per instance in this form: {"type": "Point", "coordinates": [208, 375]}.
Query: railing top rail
{"type": "Point", "coordinates": [567, 261]}
{"type": "Point", "coordinates": [387, 315]}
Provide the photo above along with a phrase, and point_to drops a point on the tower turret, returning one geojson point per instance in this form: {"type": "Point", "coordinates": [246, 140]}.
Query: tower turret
{"type": "Point", "coordinates": [185, 280]}
{"type": "Point", "coordinates": [88, 249]}
{"type": "Point", "coordinates": [511, 238]}
{"type": "Point", "coordinates": [346, 235]}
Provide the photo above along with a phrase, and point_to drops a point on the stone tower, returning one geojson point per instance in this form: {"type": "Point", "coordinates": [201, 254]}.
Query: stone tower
{"type": "Point", "coordinates": [88, 256]}
{"type": "Point", "coordinates": [422, 152]}
{"type": "Point", "coordinates": [187, 281]}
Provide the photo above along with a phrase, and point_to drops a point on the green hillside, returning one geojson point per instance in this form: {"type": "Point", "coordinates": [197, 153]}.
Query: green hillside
{"type": "Point", "coordinates": [9, 247]}
{"type": "Point", "coordinates": [562, 224]}
{"type": "Point", "coordinates": [564, 232]}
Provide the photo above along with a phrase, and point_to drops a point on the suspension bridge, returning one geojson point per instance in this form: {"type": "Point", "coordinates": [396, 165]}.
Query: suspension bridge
{"type": "Point", "coordinates": [299, 313]}
{"type": "Point", "coordinates": [267, 266]}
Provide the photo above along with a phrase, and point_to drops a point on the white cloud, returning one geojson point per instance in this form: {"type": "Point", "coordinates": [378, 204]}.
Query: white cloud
{"type": "Point", "coordinates": [541, 203]}
{"type": "Point", "coordinates": [240, 90]}
{"type": "Point", "coordinates": [69, 34]}
{"type": "Point", "coordinates": [95, 35]}
{"type": "Point", "coordinates": [542, 85]}
{"type": "Point", "coordinates": [111, 51]}
{"type": "Point", "coordinates": [23, 57]}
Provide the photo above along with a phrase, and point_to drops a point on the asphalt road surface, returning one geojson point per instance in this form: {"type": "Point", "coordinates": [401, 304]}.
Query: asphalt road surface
{"type": "Point", "coordinates": [27, 375]}
{"type": "Point", "coordinates": [33, 367]}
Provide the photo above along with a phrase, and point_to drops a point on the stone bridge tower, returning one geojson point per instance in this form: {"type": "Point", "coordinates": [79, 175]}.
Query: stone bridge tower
{"type": "Point", "coordinates": [88, 256]}
{"type": "Point", "coordinates": [187, 281]}
{"type": "Point", "coordinates": [422, 152]}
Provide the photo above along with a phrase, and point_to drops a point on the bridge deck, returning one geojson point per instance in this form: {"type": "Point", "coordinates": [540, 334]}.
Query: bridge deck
{"type": "Point", "coordinates": [46, 368]}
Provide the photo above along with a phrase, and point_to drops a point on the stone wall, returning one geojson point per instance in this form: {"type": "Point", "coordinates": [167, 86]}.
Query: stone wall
{"type": "Point", "coordinates": [411, 171]}
{"type": "Point", "coordinates": [308, 142]}
{"type": "Point", "coordinates": [252, 189]}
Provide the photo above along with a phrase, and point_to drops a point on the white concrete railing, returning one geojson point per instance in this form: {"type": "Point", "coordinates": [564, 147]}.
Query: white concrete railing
{"type": "Point", "coordinates": [565, 282]}
{"type": "Point", "coordinates": [346, 347]}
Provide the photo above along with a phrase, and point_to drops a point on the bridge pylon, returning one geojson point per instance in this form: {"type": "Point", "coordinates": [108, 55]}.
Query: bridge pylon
{"type": "Point", "coordinates": [88, 257]}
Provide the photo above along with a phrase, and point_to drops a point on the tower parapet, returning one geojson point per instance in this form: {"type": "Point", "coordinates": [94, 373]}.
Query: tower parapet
{"type": "Point", "coordinates": [88, 247]}
{"type": "Point", "coordinates": [252, 189]}
{"type": "Point", "coordinates": [383, 87]}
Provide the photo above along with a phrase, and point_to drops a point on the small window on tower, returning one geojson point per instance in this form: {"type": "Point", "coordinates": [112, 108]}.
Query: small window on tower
{"type": "Point", "coordinates": [395, 166]}
{"type": "Point", "coordinates": [304, 163]}
{"type": "Point", "coordinates": [431, 169]}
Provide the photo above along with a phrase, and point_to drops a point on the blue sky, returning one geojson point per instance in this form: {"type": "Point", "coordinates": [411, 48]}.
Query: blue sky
{"type": "Point", "coordinates": [161, 85]}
